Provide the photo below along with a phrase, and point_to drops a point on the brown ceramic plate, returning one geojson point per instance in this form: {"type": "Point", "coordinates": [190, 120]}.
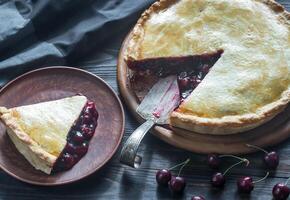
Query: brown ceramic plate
{"type": "Point", "coordinates": [54, 83]}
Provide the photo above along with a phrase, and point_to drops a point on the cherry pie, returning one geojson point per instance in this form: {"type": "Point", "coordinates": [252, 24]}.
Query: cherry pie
{"type": "Point", "coordinates": [53, 136]}
{"type": "Point", "coordinates": [232, 58]}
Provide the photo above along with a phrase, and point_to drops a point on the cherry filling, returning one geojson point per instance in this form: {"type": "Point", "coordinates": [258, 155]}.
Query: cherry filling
{"type": "Point", "coordinates": [78, 138]}
{"type": "Point", "coordinates": [188, 81]}
{"type": "Point", "coordinates": [190, 70]}
{"type": "Point", "coordinates": [164, 66]}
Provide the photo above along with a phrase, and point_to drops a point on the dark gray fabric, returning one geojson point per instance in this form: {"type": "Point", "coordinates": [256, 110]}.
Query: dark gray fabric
{"type": "Point", "coordinates": [39, 33]}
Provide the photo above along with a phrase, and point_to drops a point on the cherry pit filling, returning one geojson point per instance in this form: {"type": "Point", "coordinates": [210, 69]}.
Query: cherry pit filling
{"type": "Point", "coordinates": [78, 138]}
{"type": "Point", "coordinates": [190, 70]}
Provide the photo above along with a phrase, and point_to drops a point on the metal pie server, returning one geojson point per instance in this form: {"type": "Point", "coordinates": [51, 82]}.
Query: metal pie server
{"type": "Point", "coordinates": [155, 108]}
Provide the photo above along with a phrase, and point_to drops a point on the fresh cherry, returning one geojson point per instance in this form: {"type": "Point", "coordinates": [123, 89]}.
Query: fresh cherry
{"type": "Point", "coordinates": [213, 161]}
{"type": "Point", "coordinates": [280, 191]}
{"type": "Point", "coordinates": [163, 176]}
{"type": "Point", "coordinates": [177, 184]}
{"type": "Point", "coordinates": [218, 180]}
{"type": "Point", "coordinates": [245, 184]}
{"type": "Point", "coordinates": [197, 198]}
{"type": "Point", "coordinates": [271, 159]}
{"type": "Point", "coordinates": [78, 137]}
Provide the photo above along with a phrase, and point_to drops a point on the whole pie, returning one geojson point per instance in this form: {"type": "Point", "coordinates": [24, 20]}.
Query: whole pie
{"type": "Point", "coordinates": [54, 135]}
{"type": "Point", "coordinates": [232, 59]}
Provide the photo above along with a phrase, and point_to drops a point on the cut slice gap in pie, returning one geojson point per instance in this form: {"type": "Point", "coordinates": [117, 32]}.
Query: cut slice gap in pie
{"type": "Point", "coordinates": [53, 136]}
{"type": "Point", "coordinates": [247, 44]}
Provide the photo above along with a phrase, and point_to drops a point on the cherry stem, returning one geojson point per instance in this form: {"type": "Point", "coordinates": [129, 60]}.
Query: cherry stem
{"type": "Point", "coordinates": [256, 147]}
{"type": "Point", "coordinates": [232, 156]}
{"type": "Point", "coordinates": [267, 174]}
{"type": "Point", "coordinates": [187, 160]}
{"type": "Point", "coordinates": [184, 163]}
{"type": "Point", "coordinates": [288, 179]}
{"type": "Point", "coordinates": [242, 161]}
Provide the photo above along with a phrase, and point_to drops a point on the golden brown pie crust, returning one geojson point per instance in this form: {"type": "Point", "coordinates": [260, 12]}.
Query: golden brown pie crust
{"type": "Point", "coordinates": [38, 157]}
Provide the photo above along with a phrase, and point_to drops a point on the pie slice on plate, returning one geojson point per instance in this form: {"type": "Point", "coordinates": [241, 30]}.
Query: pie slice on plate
{"type": "Point", "coordinates": [53, 135]}
{"type": "Point", "coordinates": [232, 58]}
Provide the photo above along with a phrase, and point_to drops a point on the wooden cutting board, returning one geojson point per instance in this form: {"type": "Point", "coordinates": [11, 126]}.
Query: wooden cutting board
{"type": "Point", "coordinates": [271, 133]}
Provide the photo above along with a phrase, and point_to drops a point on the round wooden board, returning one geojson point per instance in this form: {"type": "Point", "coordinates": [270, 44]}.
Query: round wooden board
{"type": "Point", "coordinates": [55, 83]}
{"type": "Point", "coordinates": [271, 133]}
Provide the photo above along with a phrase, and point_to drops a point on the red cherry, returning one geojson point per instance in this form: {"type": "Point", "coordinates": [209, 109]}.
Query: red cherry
{"type": "Point", "coordinates": [218, 180]}
{"type": "Point", "coordinates": [177, 184]}
{"type": "Point", "coordinates": [271, 159]}
{"type": "Point", "coordinates": [163, 176]}
{"type": "Point", "coordinates": [245, 184]}
{"type": "Point", "coordinates": [280, 191]}
{"type": "Point", "coordinates": [213, 161]}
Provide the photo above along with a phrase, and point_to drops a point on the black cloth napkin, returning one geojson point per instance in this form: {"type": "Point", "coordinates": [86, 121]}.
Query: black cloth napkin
{"type": "Point", "coordinates": [39, 33]}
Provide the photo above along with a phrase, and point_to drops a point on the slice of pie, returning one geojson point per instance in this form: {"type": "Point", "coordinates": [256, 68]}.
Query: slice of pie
{"type": "Point", "coordinates": [232, 58]}
{"type": "Point", "coordinates": [53, 135]}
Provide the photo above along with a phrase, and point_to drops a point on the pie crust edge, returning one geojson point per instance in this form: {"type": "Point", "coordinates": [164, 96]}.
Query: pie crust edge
{"type": "Point", "coordinates": [215, 126]}
{"type": "Point", "coordinates": [37, 157]}
{"type": "Point", "coordinates": [230, 124]}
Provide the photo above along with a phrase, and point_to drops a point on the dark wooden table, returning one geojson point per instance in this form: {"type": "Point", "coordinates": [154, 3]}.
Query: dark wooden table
{"type": "Point", "coordinates": [115, 181]}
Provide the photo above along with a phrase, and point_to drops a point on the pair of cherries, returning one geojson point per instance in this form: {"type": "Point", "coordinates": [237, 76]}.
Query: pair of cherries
{"type": "Point", "coordinates": [177, 183]}
{"type": "Point", "coordinates": [271, 159]}
{"type": "Point", "coordinates": [244, 184]}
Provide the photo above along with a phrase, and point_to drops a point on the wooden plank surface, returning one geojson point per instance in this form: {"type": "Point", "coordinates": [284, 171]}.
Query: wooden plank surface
{"type": "Point", "coordinates": [115, 181]}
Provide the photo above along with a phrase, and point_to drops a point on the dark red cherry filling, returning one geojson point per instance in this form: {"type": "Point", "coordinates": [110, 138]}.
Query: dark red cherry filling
{"type": "Point", "coordinates": [189, 69]}
{"type": "Point", "coordinates": [188, 81]}
{"type": "Point", "coordinates": [164, 66]}
{"type": "Point", "coordinates": [78, 138]}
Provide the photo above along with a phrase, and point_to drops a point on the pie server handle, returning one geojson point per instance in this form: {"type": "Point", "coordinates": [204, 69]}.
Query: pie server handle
{"type": "Point", "coordinates": [129, 152]}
